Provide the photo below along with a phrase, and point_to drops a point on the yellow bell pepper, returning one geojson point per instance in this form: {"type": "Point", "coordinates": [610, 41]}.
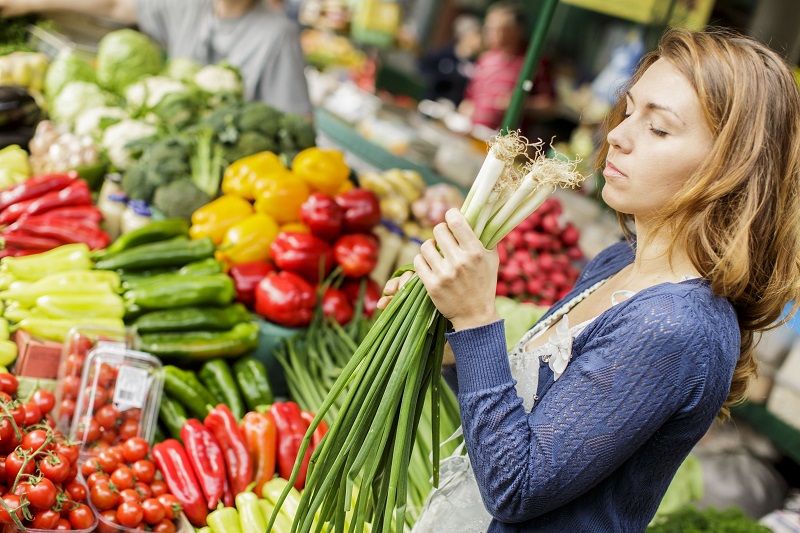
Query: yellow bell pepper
{"type": "Point", "coordinates": [248, 240]}
{"type": "Point", "coordinates": [282, 197]}
{"type": "Point", "coordinates": [295, 227]}
{"type": "Point", "coordinates": [324, 170]}
{"type": "Point", "coordinates": [215, 218]}
{"type": "Point", "coordinates": [240, 175]}
{"type": "Point", "coordinates": [346, 186]}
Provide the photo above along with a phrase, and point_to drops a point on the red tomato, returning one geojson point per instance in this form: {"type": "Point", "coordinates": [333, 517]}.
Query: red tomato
{"type": "Point", "coordinates": [109, 522]}
{"type": "Point", "coordinates": [134, 449]}
{"type": "Point", "coordinates": [76, 491]}
{"type": "Point", "coordinates": [144, 470]}
{"type": "Point", "coordinates": [106, 376]}
{"type": "Point", "coordinates": [32, 414]}
{"type": "Point", "coordinates": [41, 494]}
{"type": "Point", "coordinates": [90, 467]}
{"type": "Point", "coordinates": [6, 429]}
{"type": "Point", "coordinates": [88, 429]}
{"type": "Point", "coordinates": [50, 421]}
{"type": "Point", "coordinates": [8, 384]}
{"type": "Point", "coordinates": [12, 502]}
{"type": "Point", "coordinates": [63, 525]}
{"type": "Point", "coordinates": [122, 477]}
{"type": "Point", "coordinates": [74, 364]}
{"type": "Point", "coordinates": [130, 495]}
{"type": "Point", "coordinates": [109, 436]}
{"type": "Point", "coordinates": [130, 514]}
{"type": "Point", "coordinates": [107, 416]}
{"type": "Point", "coordinates": [129, 430]}
{"type": "Point", "coordinates": [116, 451]}
{"type": "Point", "coordinates": [143, 489]}
{"type": "Point", "coordinates": [98, 478]}
{"type": "Point", "coordinates": [153, 511]}
{"type": "Point", "coordinates": [2, 469]}
{"type": "Point", "coordinates": [158, 487]}
{"type": "Point", "coordinates": [133, 414]}
{"type": "Point", "coordinates": [104, 497]}
{"type": "Point", "coordinates": [44, 399]}
{"type": "Point", "coordinates": [47, 519]}
{"type": "Point", "coordinates": [14, 463]}
{"type": "Point", "coordinates": [108, 462]}
{"type": "Point", "coordinates": [95, 396]}
{"type": "Point", "coordinates": [35, 441]}
{"type": "Point", "coordinates": [70, 387]}
{"type": "Point", "coordinates": [81, 517]}
{"type": "Point", "coordinates": [73, 473]}
{"type": "Point", "coordinates": [69, 450]}
{"type": "Point", "coordinates": [172, 507]}
{"type": "Point", "coordinates": [165, 526]}
{"type": "Point", "coordinates": [54, 467]}
{"type": "Point", "coordinates": [67, 408]}
{"type": "Point", "coordinates": [17, 413]}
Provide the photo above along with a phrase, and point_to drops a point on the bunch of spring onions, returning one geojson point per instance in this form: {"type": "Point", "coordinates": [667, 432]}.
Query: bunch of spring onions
{"type": "Point", "coordinates": [358, 475]}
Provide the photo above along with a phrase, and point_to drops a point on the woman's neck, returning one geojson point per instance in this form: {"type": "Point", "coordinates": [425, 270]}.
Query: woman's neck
{"type": "Point", "coordinates": [656, 260]}
{"type": "Point", "coordinates": [231, 9]}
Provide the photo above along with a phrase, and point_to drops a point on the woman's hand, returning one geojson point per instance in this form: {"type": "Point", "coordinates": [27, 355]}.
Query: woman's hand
{"type": "Point", "coordinates": [462, 279]}
{"type": "Point", "coordinates": [391, 288]}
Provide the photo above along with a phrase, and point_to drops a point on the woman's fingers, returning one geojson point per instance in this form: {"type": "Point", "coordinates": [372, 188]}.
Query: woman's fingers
{"type": "Point", "coordinates": [391, 288]}
{"type": "Point", "coordinates": [445, 240]}
{"type": "Point", "coordinates": [460, 229]}
{"type": "Point", "coordinates": [432, 256]}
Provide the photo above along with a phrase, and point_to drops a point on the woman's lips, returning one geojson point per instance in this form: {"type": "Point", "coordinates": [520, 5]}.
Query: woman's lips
{"type": "Point", "coordinates": [612, 171]}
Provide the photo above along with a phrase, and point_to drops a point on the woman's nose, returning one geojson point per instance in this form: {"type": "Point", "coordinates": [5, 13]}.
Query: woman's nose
{"type": "Point", "coordinates": [619, 138]}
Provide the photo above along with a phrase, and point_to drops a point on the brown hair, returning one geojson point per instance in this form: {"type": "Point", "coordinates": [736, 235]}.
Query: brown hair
{"type": "Point", "coordinates": [739, 213]}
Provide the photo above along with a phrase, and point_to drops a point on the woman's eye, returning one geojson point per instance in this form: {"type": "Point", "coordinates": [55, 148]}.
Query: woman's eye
{"type": "Point", "coordinates": [658, 132]}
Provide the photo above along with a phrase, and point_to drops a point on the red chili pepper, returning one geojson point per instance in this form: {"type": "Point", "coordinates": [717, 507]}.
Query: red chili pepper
{"type": "Point", "coordinates": [372, 293]}
{"type": "Point", "coordinates": [286, 299]}
{"type": "Point", "coordinates": [222, 423]}
{"type": "Point", "coordinates": [88, 213]}
{"type": "Point", "coordinates": [171, 459]}
{"type": "Point", "coordinates": [66, 230]}
{"type": "Point", "coordinates": [261, 437]}
{"type": "Point", "coordinates": [291, 430]}
{"type": "Point", "coordinates": [22, 240]}
{"type": "Point", "coordinates": [322, 428]}
{"type": "Point", "coordinates": [335, 304]}
{"type": "Point", "coordinates": [205, 456]}
{"type": "Point", "coordinates": [35, 187]}
{"type": "Point", "coordinates": [362, 210]}
{"type": "Point", "coordinates": [322, 215]}
{"type": "Point", "coordinates": [246, 277]}
{"type": "Point", "coordinates": [356, 254]}
{"type": "Point", "coordinates": [76, 193]}
{"type": "Point", "coordinates": [302, 254]}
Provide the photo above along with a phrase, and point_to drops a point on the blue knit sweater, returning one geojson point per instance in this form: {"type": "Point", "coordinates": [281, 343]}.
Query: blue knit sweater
{"type": "Point", "coordinates": [601, 445]}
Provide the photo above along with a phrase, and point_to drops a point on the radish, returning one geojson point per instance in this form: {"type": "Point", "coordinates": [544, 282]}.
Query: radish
{"type": "Point", "coordinates": [516, 287]}
{"type": "Point", "coordinates": [569, 235]}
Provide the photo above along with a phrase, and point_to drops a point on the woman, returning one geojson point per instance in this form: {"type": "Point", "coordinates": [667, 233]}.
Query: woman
{"type": "Point", "coordinates": [584, 424]}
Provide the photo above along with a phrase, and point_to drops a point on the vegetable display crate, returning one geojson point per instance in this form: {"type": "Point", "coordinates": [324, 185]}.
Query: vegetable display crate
{"type": "Point", "coordinates": [271, 336]}
{"type": "Point", "coordinates": [782, 435]}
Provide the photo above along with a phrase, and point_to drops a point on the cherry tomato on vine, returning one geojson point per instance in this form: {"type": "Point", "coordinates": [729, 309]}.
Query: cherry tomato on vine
{"type": "Point", "coordinates": [107, 461]}
{"type": "Point", "coordinates": [63, 525]}
{"type": "Point", "coordinates": [97, 478]}
{"type": "Point", "coordinates": [13, 503]}
{"type": "Point", "coordinates": [130, 514]}
{"type": "Point", "coordinates": [35, 440]}
{"type": "Point", "coordinates": [54, 467]}
{"type": "Point", "coordinates": [16, 462]}
{"type": "Point", "coordinates": [70, 450]}
{"type": "Point", "coordinates": [8, 383]}
{"type": "Point", "coordinates": [81, 517]}
{"type": "Point", "coordinates": [44, 399]}
{"type": "Point", "coordinates": [46, 519]}
{"type": "Point", "coordinates": [41, 494]}
{"type": "Point", "coordinates": [76, 491]}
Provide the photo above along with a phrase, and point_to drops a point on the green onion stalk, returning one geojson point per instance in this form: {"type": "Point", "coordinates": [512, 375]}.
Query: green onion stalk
{"type": "Point", "coordinates": [357, 477]}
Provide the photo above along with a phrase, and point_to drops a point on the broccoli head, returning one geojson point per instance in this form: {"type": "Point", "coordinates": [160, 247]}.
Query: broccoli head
{"type": "Point", "coordinates": [179, 199]}
{"type": "Point", "coordinates": [259, 117]}
{"type": "Point", "coordinates": [296, 133]}
{"type": "Point", "coordinates": [249, 143]}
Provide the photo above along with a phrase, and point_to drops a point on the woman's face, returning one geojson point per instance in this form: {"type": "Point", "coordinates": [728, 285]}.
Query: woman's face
{"type": "Point", "coordinates": [661, 142]}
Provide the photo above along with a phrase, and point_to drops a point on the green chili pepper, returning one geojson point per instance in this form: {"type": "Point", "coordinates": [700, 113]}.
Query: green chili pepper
{"type": "Point", "coordinates": [251, 375]}
{"type": "Point", "coordinates": [8, 352]}
{"type": "Point", "coordinates": [204, 529]}
{"type": "Point", "coordinates": [192, 319]}
{"type": "Point", "coordinates": [35, 267]}
{"type": "Point", "coordinates": [202, 267]}
{"type": "Point", "coordinates": [4, 329]}
{"type": "Point", "coordinates": [283, 523]}
{"type": "Point", "coordinates": [251, 519]}
{"type": "Point", "coordinates": [187, 389]}
{"type": "Point", "coordinates": [174, 252]}
{"type": "Point", "coordinates": [158, 434]}
{"type": "Point", "coordinates": [153, 232]}
{"type": "Point", "coordinates": [216, 376]}
{"type": "Point", "coordinates": [225, 520]}
{"type": "Point", "coordinates": [183, 291]}
{"type": "Point", "coordinates": [56, 329]}
{"type": "Point", "coordinates": [172, 415]}
{"type": "Point", "coordinates": [201, 345]}
{"type": "Point", "coordinates": [81, 305]}
{"type": "Point", "coordinates": [128, 276]}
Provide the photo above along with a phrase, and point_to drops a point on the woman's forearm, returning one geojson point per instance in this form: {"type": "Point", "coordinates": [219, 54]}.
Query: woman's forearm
{"type": "Point", "coordinates": [448, 359]}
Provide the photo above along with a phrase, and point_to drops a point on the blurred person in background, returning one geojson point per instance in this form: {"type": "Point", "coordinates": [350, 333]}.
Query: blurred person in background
{"type": "Point", "coordinates": [448, 70]}
{"type": "Point", "coordinates": [489, 92]}
{"type": "Point", "coordinates": [252, 35]}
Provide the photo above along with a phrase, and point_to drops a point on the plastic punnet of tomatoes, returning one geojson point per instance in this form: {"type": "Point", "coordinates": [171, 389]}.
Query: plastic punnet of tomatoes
{"type": "Point", "coordinates": [40, 482]}
{"type": "Point", "coordinates": [127, 491]}
{"type": "Point", "coordinates": [77, 344]}
{"type": "Point", "coordinates": [118, 398]}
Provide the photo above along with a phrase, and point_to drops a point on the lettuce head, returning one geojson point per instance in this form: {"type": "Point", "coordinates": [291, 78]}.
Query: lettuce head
{"type": "Point", "coordinates": [126, 56]}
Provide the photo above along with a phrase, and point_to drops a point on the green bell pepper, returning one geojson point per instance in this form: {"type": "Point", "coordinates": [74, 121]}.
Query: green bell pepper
{"type": "Point", "coordinates": [172, 414]}
{"type": "Point", "coordinates": [192, 319]}
{"type": "Point", "coordinates": [216, 376]}
{"type": "Point", "coordinates": [202, 345]}
{"type": "Point", "coordinates": [174, 252]}
{"type": "Point", "coordinates": [202, 267]}
{"type": "Point", "coordinates": [153, 232]}
{"type": "Point", "coordinates": [251, 375]}
{"type": "Point", "coordinates": [182, 291]}
{"type": "Point", "coordinates": [187, 389]}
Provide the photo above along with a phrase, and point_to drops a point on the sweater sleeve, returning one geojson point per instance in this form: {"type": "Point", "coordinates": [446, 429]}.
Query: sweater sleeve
{"type": "Point", "coordinates": [611, 399]}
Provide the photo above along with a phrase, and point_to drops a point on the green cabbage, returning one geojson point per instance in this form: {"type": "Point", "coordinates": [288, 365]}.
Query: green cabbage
{"type": "Point", "coordinates": [67, 67]}
{"type": "Point", "coordinates": [75, 98]}
{"type": "Point", "coordinates": [518, 317]}
{"type": "Point", "coordinates": [181, 69]}
{"type": "Point", "coordinates": [126, 56]}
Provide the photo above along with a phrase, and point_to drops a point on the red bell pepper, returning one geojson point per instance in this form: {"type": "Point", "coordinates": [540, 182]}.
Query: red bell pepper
{"type": "Point", "coordinates": [336, 305]}
{"type": "Point", "coordinates": [291, 430]}
{"type": "Point", "coordinates": [22, 240]}
{"type": "Point", "coordinates": [322, 428]}
{"type": "Point", "coordinates": [302, 254]}
{"type": "Point", "coordinates": [362, 210]}
{"type": "Point", "coordinates": [357, 254]}
{"type": "Point", "coordinates": [76, 193]}
{"type": "Point", "coordinates": [171, 459]}
{"type": "Point", "coordinates": [261, 437]}
{"type": "Point", "coordinates": [322, 215]}
{"type": "Point", "coordinates": [246, 277]}
{"type": "Point", "coordinates": [286, 299]}
{"type": "Point", "coordinates": [222, 423]}
{"type": "Point", "coordinates": [35, 187]}
{"type": "Point", "coordinates": [205, 456]}
{"type": "Point", "coordinates": [87, 213]}
{"type": "Point", "coordinates": [372, 293]}
{"type": "Point", "coordinates": [66, 230]}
